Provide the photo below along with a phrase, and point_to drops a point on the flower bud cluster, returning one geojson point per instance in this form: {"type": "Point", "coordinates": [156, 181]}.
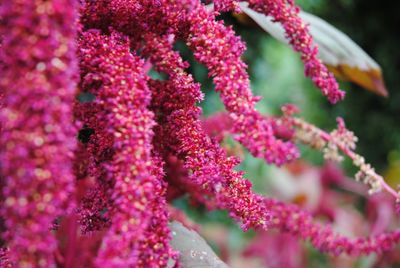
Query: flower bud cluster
{"type": "Point", "coordinates": [340, 141]}
{"type": "Point", "coordinates": [367, 175]}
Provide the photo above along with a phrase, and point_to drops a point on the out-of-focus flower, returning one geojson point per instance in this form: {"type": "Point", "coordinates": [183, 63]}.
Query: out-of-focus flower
{"type": "Point", "coordinates": [37, 139]}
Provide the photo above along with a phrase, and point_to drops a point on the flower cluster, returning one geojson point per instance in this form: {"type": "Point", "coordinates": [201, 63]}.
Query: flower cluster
{"type": "Point", "coordinates": [37, 140]}
{"type": "Point", "coordinates": [217, 47]}
{"type": "Point", "coordinates": [90, 141]}
{"type": "Point", "coordinates": [116, 78]}
{"type": "Point", "coordinates": [286, 13]}
{"type": "Point", "coordinates": [210, 168]}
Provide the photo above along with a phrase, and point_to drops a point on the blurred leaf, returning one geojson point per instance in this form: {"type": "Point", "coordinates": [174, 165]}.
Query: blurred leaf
{"type": "Point", "coordinates": [344, 58]}
{"type": "Point", "coordinates": [392, 173]}
{"type": "Point", "coordinates": [193, 249]}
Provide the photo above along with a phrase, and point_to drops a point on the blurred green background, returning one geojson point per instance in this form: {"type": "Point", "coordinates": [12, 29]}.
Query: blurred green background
{"type": "Point", "coordinates": [277, 74]}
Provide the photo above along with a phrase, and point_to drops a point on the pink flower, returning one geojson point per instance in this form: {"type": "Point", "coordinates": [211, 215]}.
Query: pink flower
{"type": "Point", "coordinates": [286, 13]}
{"type": "Point", "coordinates": [116, 78]}
{"type": "Point", "coordinates": [140, 137]}
{"type": "Point", "coordinates": [277, 250]}
{"type": "Point", "coordinates": [217, 47]}
{"type": "Point", "coordinates": [210, 168]}
{"type": "Point", "coordinates": [289, 218]}
{"type": "Point", "coordinates": [37, 138]}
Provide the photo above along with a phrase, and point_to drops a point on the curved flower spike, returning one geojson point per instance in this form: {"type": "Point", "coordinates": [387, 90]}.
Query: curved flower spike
{"type": "Point", "coordinates": [122, 96]}
{"type": "Point", "coordinates": [290, 218]}
{"type": "Point", "coordinates": [217, 47]}
{"type": "Point", "coordinates": [286, 13]}
{"type": "Point", "coordinates": [211, 169]}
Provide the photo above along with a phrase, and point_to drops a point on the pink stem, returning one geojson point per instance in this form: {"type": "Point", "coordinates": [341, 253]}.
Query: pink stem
{"type": "Point", "coordinates": [72, 239]}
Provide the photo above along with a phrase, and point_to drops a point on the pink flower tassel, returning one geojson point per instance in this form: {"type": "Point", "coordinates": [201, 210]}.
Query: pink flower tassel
{"type": "Point", "coordinates": [217, 47]}
{"type": "Point", "coordinates": [38, 136]}
{"type": "Point", "coordinates": [286, 13]}
{"type": "Point", "coordinates": [117, 80]}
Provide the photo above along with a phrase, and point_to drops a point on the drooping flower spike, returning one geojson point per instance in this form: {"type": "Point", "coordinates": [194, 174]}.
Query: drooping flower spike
{"type": "Point", "coordinates": [216, 178]}
{"type": "Point", "coordinates": [134, 131]}
{"type": "Point", "coordinates": [94, 152]}
{"type": "Point", "coordinates": [286, 13]}
{"type": "Point", "coordinates": [220, 50]}
{"type": "Point", "coordinates": [211, 169]}
{"type": "Point", "coordinates": [290, 218]}
{"type": "Point", "coordinates": [37, 139]}
{"type": "Point", "coordinates": [340, 142]}
{"type": "Point", "coordinates": [217, 47]}
{"type": "Point", "coordinates": [116, 78]}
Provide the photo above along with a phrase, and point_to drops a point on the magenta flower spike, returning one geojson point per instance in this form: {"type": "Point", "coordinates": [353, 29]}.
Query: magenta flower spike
{"type": "Point", "coordinates": [212, 170]}
{"type": "Point", "coordinates": [116, 78]}
{"type": "Point", "coordinates": [217, 47]}
{"type": "Point", "coordinates": [286, 13]}
{"type": "Point", "coordinates": [220, 50]}
{"type": "Point", "coordinates": [37, 137]}
{"type": "Point", "coordinates": [89, 178]}
{"type": "Point", "coordinates": [290, 218]}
